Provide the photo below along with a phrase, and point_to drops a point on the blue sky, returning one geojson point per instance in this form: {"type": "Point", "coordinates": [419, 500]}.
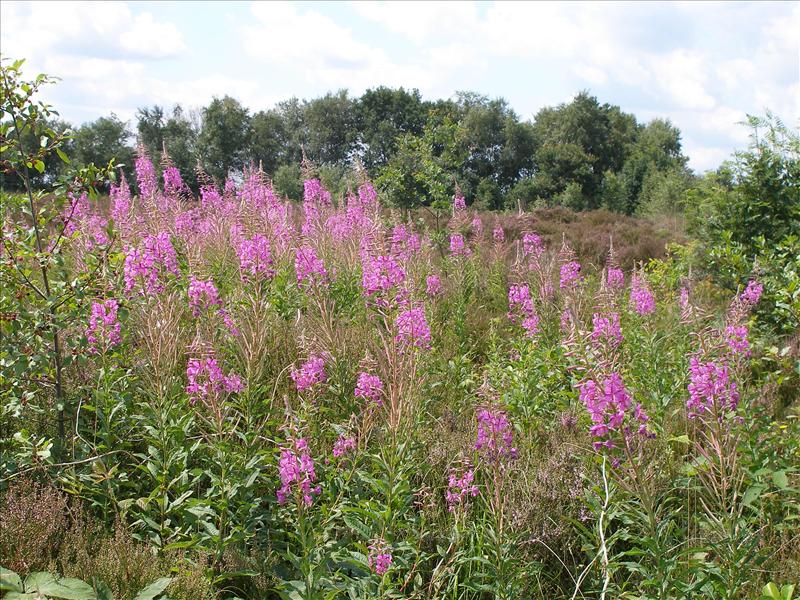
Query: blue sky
{"type": "Point", "coordinates": [703, 65]}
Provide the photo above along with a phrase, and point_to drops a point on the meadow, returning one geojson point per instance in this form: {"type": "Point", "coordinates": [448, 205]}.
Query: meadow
{"type": "Point", "coordinates": [236, 395]}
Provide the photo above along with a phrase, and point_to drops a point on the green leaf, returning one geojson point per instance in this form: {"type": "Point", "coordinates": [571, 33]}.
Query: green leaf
{"type": "Point", "coordinates": [10, 581]}
{"type": "Point", "coordinates": [682, 439]}
{"type": "Point", "coordinates": [64, 158]}
{"type": "Point", "coordinates": [752, 494]}
{"type": "Point", "coordinates": [154, 589]}
{"type": "Point", "coordinates": [38, 165]}
{"type": "Point", "coordinates": [771, 591]}
{"type": "Point", "coordinates": [780, 479]}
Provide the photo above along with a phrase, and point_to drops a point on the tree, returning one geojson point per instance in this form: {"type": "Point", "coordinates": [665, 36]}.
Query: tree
{"type": "Point", "coordinates": [269, 141]}
{"type": "Point", "coordinates": [224, 140]}
{"type": "Point", "coordinates": [383, 115]}
{"type": "Point", "coordinates": [330, 124]}
{"type": "Point", "coordinates": [178, 134]}
{"type": "Point", "coordinates": [579, 142]}
{"type": "Point", "coordinates": [102, 140]}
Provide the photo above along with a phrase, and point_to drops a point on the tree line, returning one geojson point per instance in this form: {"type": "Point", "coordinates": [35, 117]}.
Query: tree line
{"type": "Point", "coordinates": [581, 154]}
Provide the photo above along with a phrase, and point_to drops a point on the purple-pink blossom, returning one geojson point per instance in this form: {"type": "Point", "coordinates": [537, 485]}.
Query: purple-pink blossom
{"type": "Point", "coordinates": [255, 258]}
{"type": "Point", "coordinates": [711, 389]}
{"type": "Point", "coordinates": [380, 557]}
{"type": "Point", "coordinates": [609, 405]}
{"type": "Point", "coordinates": [606, 329]}
{"type": "Point", "coordinates": [413, 329]}
{"type": "Point", "coordinates": [752, 294]}
{"type": "Point", "coordinates": [148, 262]}
{"type": "Point", "coordinates": [495, 439]}
{"type": "Point", "coordinates": [498, 235]}
{"type": "Point", "coordinates": [297, 474]}
{"type": "Point", "coordinates": [310, 373]}
{"type": "Point", "coordinates": [202, 295]}
{"type": "Point", "coordinates": [615, 278]}
{"type": "Point", "coordinates": [433, 285]}
{"type": "Point", "coordinates": [521, 309]}
{"type": "Point", "coordinates": [380, 276]}
{"type": "Point", "coordinates": [343, 445]}
{"type": "Point", "coordinates": [309, 268]}
{"type": "Point", "coordinates": [460, 488]}
{"type": "Point", "coordinates": [570, 274]}
{"type": "Point", "coordinates": [459, 203]}
{"type": "Point", "coordinates": [457, 245]}
{"type": "Point", "coordinates": [736, 338]}
{"type": "Point", "coordinates": [532, 245]}
{"type": "Point", "coordinates": [644, 303]}
{"type": "Point", "coordinates": [104, 328]}
{"type": "Point", "coordinates": [206, 380]}
{"type": "Point", "coordinates": [369, 387]}
{"type": "Point", "coordinates": [146, 179]}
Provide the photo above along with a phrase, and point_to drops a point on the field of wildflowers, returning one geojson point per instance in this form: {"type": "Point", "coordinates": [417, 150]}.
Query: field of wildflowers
{"type": "Point", "coordinates": [238, 396]}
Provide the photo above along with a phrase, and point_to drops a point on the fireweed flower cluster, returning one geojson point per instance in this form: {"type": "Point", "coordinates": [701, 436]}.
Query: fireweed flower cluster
{"type": "Point", "coordinates": [433, 285]}
{"type": "Point", "coordinates": [255, 258]}
{"type": "Point", "coordinates": [104, 328]}
{"type": "Point", "coordinates": [309, 268]}
{"type": "Point", "coordinates": [146, 178]}
{"type": "Point", "coordinates": [609, 405]}
{"type": "Point", "coordinates": [457, 245]}
{"type": "Point", "coordinates": [532, 245]}
{"type": "Point", "coordinates": [147, 262]}
{"type": "Point", "coordinates": [736, 338]}
{"type": "Point", "coordinates": [413, 329]}
{"type": "Point", "coordinates": [381, 275]}
{"type": "Point", "coordinates": [752, 294]}
{"type": "Point", "coordinates": [495, 439]}
{"type": "Point", "coordinates": [206, 380]}
{"type": "Point", "coordinates": [477, 226]}
{"type": "Point", "coordinates": [380, 557]}
{"type": "Point", "coordinates": [203, 295]}
{"type": "Point", "coordinates": [615, 278]}
{"type": "Point", "coordinates": [343, 445]}
{"type": "Point", "coordinates": [459, 203]}
{"type": "Point", "coordinates": [570, 274]}
{"type": "Point", "coordinates": [173, 183]}
{"type": "Point", "coordinates": [404, 243]}
{"type": "Point", "coordinates": [296, 470]}
{"type": "Point", "coordinates": [711, 390]}
{"type": "Point", "coordinates": [370, 388]}
{"type": "Point", "coordinates": [606, 329]}
{"type": "Point", "coordinates": [642, 299]}
{"type": "Point", "coordinates": [521, 309]}
{"type": "Point", "coordinates": [310, 373]}
{"type": "Point", "coordinates": [498, 235]}
{"type": "Point", "coordinates": [460, 488]}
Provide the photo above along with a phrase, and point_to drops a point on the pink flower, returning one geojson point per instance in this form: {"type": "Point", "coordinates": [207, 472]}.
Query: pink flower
{"type": "Point", "coordinates": [532, 245]}
{"type": "Point", "coordinates": [149, 262]}
{"type": "Point", "coordinates": [460, 488]}
{"type": "Point", "coordinates": [173, 183]}
{"type": "Point", "coordinates": [459, 203]}
{"type": "Point", "coordinates": [609, 406]}
{"type": "Point", "coordinates": [206, 380]}
{"type": "Point", "coordinates": [146, 179]}
{"type": "Point", "coordinates": [570, 274]}
{"type": "Point", "coordinates": [752, 294]}
{"type": "Point", "coordinates": [736, 337]}
{"type": "Point", "coordinates": [308, 267]}
{"type": "Point", "coordinates": [710, 389]}
{"type": "Point", "coordinates": [606, 328]}
{"type": "Point", "coordinates": [457, 246]}
{"type": "Point", "coordinates": [343, 445]}
{"type": "Point", "coordinates": [615, 278]}
{"type": "Point", "coordinates": [380, 557]}
{"type": "Point", "coordinates": [369, 387]}
{"type": "Point", "coordinates": [521, 309]}
{"type": "Point", "coordinates": [495, 435]}
{"type": "Point", "coordinates": [643, 301]}
{"type": "Point", "coordinates": [104, 328]}
{"type": "Point", "coordinates": [255, 257]}
{"type": "Point", "coordinates": [381, 275]}
{"type": "Point", "coordinates": [477, 226]}
{"type": "Point", "coordinates": [297, 474]}
{"type": "Point", "coordinates": [202, 295]}
{"type": "Point", "coordinates": [412, 329]}
{"type": "Point", "coordinates": [498, 235]}
{"type": "Point", "coordinates": [433, 285]}
{"type": "Point", "coordinates": [310, 373]}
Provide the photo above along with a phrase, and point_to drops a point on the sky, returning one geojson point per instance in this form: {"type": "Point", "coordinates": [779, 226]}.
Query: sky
{"type": "Point", "coordinates": [703, 65]}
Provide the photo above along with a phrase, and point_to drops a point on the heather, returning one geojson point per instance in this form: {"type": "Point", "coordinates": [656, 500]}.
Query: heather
{"type": "Point", "coordinates": [245, 396]}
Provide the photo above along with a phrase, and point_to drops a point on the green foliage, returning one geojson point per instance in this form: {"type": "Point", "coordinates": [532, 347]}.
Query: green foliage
{"type": "Point", "coordinates": [224, 137]}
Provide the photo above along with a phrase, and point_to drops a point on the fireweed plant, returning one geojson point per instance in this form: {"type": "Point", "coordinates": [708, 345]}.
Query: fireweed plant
{"type": "Point", "coordinates": [327, 399]}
